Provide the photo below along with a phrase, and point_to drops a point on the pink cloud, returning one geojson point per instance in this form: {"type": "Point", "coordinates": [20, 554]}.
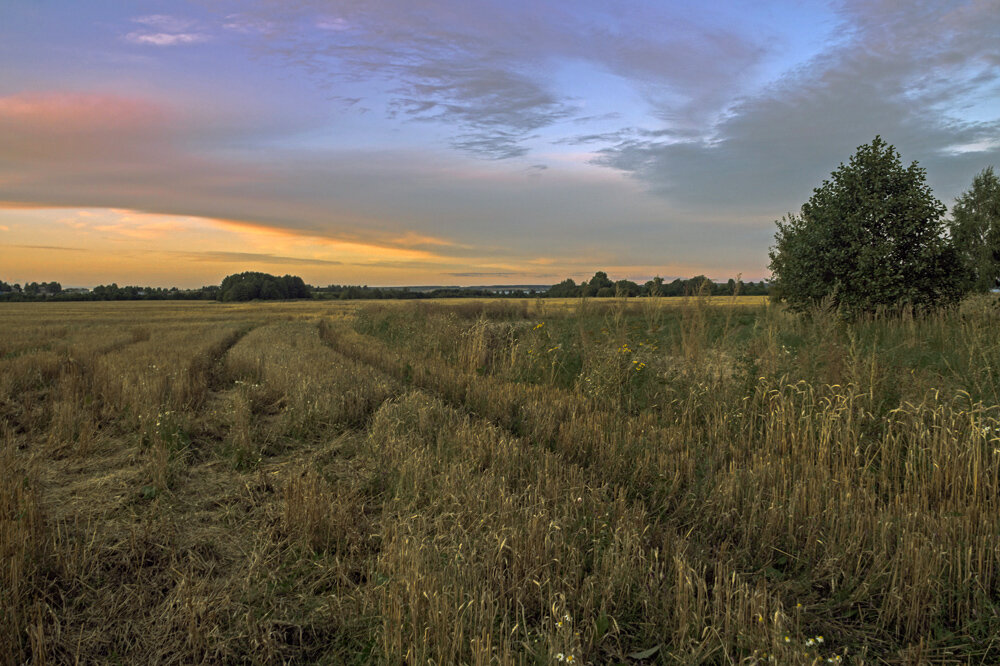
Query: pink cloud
{"type": "Point", "coordinates": [47, 128]}
{"type": "Point", "coordinates": [73, 112]}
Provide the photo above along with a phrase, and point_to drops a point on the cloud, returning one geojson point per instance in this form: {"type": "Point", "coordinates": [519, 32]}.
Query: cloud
{"type": "Point", "coordinates": [49, 247]}
{"type": "Point", "coordinates": [49, 127]}
{"type": "Point", "coordinates": [432, 209]}
{"type": "Point", "coordinates": [165, 22]}
{"type": "Point", "coordinates": [917, 77]}
{"type": "Point", "coordinates": [986, 145]}
{"type": "Point", "coordinates": [697, 163]}
{"type": "Point", "coordinates": [255, 258]}
{"type": "Point", "coordinates": [166, 30]}
{"type": "Point", "coordinates": [73, 112]}
{"type": "Point", "coordinates": [166, 38]}
{"type": "Point", "coordinates": [501, 275]}
{"type": "Point", "coordinates": [485, 72]}
{"type": "Point", "coordinates": [246, 25]}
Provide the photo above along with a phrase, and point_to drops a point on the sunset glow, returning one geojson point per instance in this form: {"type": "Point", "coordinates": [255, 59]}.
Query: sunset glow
{"type": "Point", "coordinates": [171, 144]}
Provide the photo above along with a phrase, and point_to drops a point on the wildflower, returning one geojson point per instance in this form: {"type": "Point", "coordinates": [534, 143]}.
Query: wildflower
{"type": "Point", "coordinates": [570, 659]}
{"type": "Point", "coordinates": [566, 616]}
{"type": "Point", "coordinates": [819, 639]}
{"type": "Point", "coordinates": [560, 657]}
{"type": "Point", "coordinates": [810, 643]}
{"type": "Point", "coordinates": [559, 623]}
{"type": "Point", "coordinates": [788, 639]}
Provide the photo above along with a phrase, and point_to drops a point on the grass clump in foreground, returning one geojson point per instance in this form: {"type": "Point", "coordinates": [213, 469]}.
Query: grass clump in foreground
{"type": "Point", "coordinates": [652, 481]}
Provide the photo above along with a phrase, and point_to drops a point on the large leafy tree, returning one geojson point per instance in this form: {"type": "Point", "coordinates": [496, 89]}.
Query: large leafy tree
{"type": "Point", "coordinates": [871, 237]}
{"type": "Point", "coordinates": [975, 230]}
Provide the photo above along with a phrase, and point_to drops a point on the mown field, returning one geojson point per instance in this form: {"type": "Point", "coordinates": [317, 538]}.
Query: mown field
{"type": "Point", "coordinates": [651, 481]}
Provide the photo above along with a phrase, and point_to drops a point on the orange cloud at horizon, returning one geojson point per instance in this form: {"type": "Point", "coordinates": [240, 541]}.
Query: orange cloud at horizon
{"type": "Point", "coordinates": [90, 246]}
{"type": "Point", "coordinates": [351, 247]}
{"type": "Point", "coordinates": [85, 247]}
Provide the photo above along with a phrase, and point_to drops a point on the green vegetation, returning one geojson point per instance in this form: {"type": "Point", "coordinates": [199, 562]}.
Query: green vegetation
{"type": "Point", "coordinates": [250, 286]}
{"type": "Point", "coordinates": [617, 481]}
{"type": "Point", "coordinates": [30, 290]}
{"type": "Point", "coordinates": [601, 286]}
{"type": "Point", "coordinates": [53, 291]}
{"type": "Point", "coordinates": [356, 292]}
{"type": "Point", "coordinates": [597, 480]}
{"type": "Point", "coordinates": [260, 286]}
{"type": "Point", "coordinates": [975, 230]}
{"type": "Point", "coordinates": [869, 238]}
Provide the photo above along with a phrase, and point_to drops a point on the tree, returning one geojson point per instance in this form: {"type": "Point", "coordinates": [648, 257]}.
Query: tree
{"type": "Point", "coordinates": [596, 283]}
{"type": "Point", "coordinates": [870, 237]}
{"type": "Point", "coordinates": [250, 285]}
{"type": "Point", "coordinates": [627, 288]}
{"type": "Point", "coordinates": [654, 287]}
{"type": "Point", "coordinates": [565, 289]}
{"type": "Point", "coordinates": [699, 285]}
{"type": "Point", "coordinates": [975, 231]}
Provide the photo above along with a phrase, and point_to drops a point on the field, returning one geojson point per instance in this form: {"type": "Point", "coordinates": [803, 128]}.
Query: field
{"type": "Point", "coordinates": [527, 482]}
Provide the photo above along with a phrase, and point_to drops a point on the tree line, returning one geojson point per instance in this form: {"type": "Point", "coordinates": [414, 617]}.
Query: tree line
{"type": "Point", "coordinates": [353, 292]}
{"type": "Point", "coordinates": [53, 291]}
{"type": "Point", "coordinates": [601, 286]}
{"type": "Point", "coordinates": [249, 286]}
{"type": "Point", "coordinates": [30, 290]}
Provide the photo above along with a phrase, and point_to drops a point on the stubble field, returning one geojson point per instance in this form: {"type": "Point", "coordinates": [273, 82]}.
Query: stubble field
{"type": "Point", "coordinates": [528, 482]}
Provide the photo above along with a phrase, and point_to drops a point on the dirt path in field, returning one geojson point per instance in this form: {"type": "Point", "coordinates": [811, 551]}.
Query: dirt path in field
{"type": "Point", "coordinates": [161, 575]}
{"type": "Point", "coordinates": [564, 438]}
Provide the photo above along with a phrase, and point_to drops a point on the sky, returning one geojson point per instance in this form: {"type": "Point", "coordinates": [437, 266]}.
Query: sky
{"type": "Point", "coordinates": [461, 142]}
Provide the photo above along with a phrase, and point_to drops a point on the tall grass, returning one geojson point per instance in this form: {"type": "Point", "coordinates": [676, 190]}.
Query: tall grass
{"type": "Point", "coordinates": [623, 481]}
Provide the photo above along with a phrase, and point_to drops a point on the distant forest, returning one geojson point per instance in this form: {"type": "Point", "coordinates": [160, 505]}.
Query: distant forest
{"type": "Point", "coordinates": [250, 286]}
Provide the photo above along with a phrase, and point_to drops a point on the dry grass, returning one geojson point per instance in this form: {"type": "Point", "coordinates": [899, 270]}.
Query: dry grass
{"type": "Point", "coordinates": [643, 481]}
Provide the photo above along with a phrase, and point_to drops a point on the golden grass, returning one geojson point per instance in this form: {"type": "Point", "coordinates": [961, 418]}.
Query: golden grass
{"type": "Point", "coordinates": [641, 481]}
